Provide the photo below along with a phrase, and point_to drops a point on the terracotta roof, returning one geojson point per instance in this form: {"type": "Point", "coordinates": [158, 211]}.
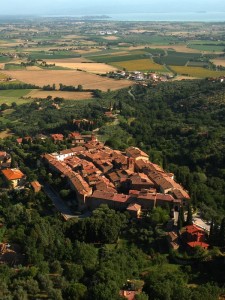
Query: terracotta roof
{"type": "Point", "coordinates": [3, 154]}
{"type": "Point", "coordinates": [141, 179]}
{"type": "Point", "coordinates": [66, 151]}
{"type": "Point", "coordinates": [13, 174]}
{"type": "Point", "coordinates": [134, 192]}
{"type": "Point", "coordinates": [79, 183]}
{"type": "Point", "coordinates": [134, 207]}
{"type": "Point", "coordinates": [129, 295]}
{"type": "Point", "coordinates": [164, 197]}
{"type": "Point", "coordinates": [147, 196]}
{"type": "Point", "coordinates": [57, 137]}
{"type": "Point", "coordinates": [26, 138]}
{"type": "Point", "coordinates": [78, 149]}
{"type": "Point", "coordinates": [75, 135]}
{"type": "Point", "coordinates": [135, 152]}
{"type": "Point", "coordinates": [48, 157]}
{"type": "Point", "coordinates": [180, 194]}
{"type": "Point", "coordinates": [36, 185]}
{"type": "Point", "coordinates": [201, 244]}
{"type": "Point", "coordinates": [192, 229]}
{"type": "Point", "coordinates": [110, 196]}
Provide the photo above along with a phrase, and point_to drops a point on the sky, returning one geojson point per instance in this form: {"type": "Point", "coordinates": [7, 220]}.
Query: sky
{"type": "Point", "coordinates": [92, 7]}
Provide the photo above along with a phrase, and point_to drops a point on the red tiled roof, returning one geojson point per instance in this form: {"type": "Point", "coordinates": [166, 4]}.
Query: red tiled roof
{"type": "Point", "coordinates": [57, 137]}
{"type": "Point", "coordinates": [79, 183]}
{"type": "Point", "coordinates": [180, 194]}
{"type": "Point", "coordinates": [3, 153]}
{"type": "Point", "coordinates": [192, 229]}
{"type": "Point", "coordinates": [129, 295]}
{"type": "Point", "coordinates": [134, 207]}
{"type": "Point", "coordinates": [135, 152]}
{"type": "Point", "coordinates": [201, 244]}
{"type": "Point", "coordinates": [13, 174]}
{"type": "Point", "coordinates": [35, 185]}
{"type": "Point", "coordinates": [75, 135]}
{"type": "Point", "coordinates": [26, 138]}
{"type": "Point", "coordinates": [110, 196]}
{"type": "Point", "coordinates": [164, 197]}
{"type": "Point", "coordinates": [134, 192]}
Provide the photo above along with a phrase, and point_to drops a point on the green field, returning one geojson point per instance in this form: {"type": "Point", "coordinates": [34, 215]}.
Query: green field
{"type": "Point", "coordinates": [154, 51]}
{"type": "Point", "coordinates": [4, 59]}
{"type": "Point", "coordinates": [140, 65]}
{"type": "Point", "coordinates": [148, 38]}
{"type": "Point", "coordinates": [197, 64]}
{"type": "Point", "coordinates": [176, 58]}
{"type": "Point", "coordinates": [10, 96]}
{"type": "Point", "coordinates": [54, 68]}
{"type": "Point", "coordinates": [52, 55]}
{"type": "Point", "coordinates": [104, 52]}
{"type": "Point", "coordinates": [115, 58]}
{"type": "Point", "coordinates": [9, 83]}
{"type": "Point", "coordinates": [196, 72]}
{"type": "Point", "coordinates": [14, 67]}
{"type": "Point", "coordinates": [207, 47]}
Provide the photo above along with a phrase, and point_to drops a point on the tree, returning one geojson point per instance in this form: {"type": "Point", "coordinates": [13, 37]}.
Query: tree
{"type": "Point", "coordinates": [189, 216]}
{"type": "Point", "coordinates": [159, 216]}
{"type": "Point", "coordinates": [181, 215]}
{"type": "Point", "coordinates": [85, 255]}
{"type": "Point", "coordinates": [75, 291]}
{"type": "Point", "coordinates": [80, 88]}
{"type": "Point", "coordinates": [222, 233]}
{"type": "Point", "coordinates": [180, 224]}
{"type": "Point", "coordinates": [141, 296]}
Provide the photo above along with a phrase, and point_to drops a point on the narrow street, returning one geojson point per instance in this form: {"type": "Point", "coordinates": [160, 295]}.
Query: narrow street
{"type": "Point", "coordinates": [60, 205]}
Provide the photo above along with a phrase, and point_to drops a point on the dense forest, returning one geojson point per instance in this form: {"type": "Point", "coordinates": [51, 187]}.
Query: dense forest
{"type": "Point", "coordinates": [181, 126]}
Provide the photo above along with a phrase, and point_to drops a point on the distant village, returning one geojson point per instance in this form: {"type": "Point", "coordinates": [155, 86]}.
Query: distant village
{"type": "Point", "coordinates": [141, 77]}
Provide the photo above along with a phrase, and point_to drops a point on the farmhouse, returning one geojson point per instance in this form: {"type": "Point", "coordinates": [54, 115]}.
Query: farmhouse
{"type": "Point", "coordinates": [14, 177]}
{"type": "Point", "coordinates": [194, 236]}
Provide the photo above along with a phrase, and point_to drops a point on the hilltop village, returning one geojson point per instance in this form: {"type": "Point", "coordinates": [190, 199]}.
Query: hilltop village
{"type": "Point", "coordinates": [122, 180]}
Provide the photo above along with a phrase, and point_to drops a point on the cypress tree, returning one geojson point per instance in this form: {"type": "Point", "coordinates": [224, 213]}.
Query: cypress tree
{"type": "Point", "coordinates": [189, 216]}
{"type": "Point", "coordinates": [179, 223]}
{"type": "Point", "coordinates": [181, 215]}
{"type": "Point", "coordinates": [222, 233]}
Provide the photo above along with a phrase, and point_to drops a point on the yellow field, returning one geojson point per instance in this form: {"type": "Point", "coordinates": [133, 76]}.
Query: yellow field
{"type": "Point", "coordinates": [111, 38]}
{"type": "Point", "coordinates": [61, 94]}
{"type": "Point", "coordinates": [140, 65]}
{"type": "Point", "coordinates": [68, 77]}
{"type": "Point", "coordinates": [97, 68]}
{"type": "Point", "coordinates": [218, 61]}
{"type": "Point", "coordinates": [196, 71]}
{"type": "Point", "coordinates": [32, 68]}
{"type": "Point", "coordinates": [177, 48]}
{"type": "Point", "coordinates": [2, 76]}
{"type": "Point", "coordinates": [67, 60]}
{"type": "Point", "coordinates": [180, 77]}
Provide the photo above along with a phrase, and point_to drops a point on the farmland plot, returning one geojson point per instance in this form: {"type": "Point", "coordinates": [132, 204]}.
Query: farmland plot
{"type": "Point", "coordinates": [68, 77]}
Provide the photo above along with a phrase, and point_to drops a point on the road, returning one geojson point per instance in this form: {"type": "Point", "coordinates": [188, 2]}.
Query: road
{"type": "Point", "coordinates": [60, 205]}
{"type": "Point", "coordinates": [130, 93]}
{"type": "Point", "coordinates": [201, 223]}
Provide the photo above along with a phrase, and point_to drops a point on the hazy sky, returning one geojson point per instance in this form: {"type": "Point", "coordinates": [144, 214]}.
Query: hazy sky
{"type": "Point", "coordinates": [37, 7]}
